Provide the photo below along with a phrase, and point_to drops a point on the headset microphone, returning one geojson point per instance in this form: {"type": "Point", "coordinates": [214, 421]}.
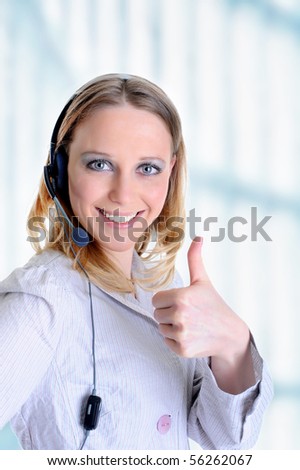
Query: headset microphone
{"type": "Point", "coordinates": [78, 234]}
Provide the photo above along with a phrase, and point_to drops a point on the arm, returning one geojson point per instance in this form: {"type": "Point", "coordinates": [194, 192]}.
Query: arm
{"type": "Point", "coordinates": [29, 332]}
{"type": "Point", "coordinates": [197, 323]}
{"type": "Point", "coordinates": [220, 420]}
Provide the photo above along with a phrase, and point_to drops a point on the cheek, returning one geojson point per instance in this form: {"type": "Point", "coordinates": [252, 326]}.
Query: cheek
{"type": "Point", "coordinates": [80, 192]}
{"type": "Point", "coordinates": [159, 193]}
{"type": "Point", "coordinates": [75, 192]}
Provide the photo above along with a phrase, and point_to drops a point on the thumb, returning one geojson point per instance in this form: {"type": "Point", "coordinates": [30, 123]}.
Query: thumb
{"type": "Point", "coordinates": [195, 262]}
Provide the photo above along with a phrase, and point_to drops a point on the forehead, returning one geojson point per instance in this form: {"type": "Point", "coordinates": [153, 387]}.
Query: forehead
{"type": "Point", "coordinates": [122, 123]}
{"type": "Point", "coordinates": [114, 115]}
{"type": "Point", "coordinates": [119, 125]}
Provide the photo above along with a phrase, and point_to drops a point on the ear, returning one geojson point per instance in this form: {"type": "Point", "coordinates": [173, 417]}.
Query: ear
{"type": "Point", "coordinates": [173, 161]}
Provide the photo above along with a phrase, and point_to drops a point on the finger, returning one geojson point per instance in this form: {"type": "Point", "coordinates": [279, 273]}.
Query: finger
{"type": "Point", "coordinates": [164, 315]}
{"type": "Point", "coordinates": [174, 346]}
{"type": "Point", "coordinates": [195, 261]}
{"type": "Point", "coordinates": [167, 331]}
{"type": "Point", "coordinates": [163, 299]}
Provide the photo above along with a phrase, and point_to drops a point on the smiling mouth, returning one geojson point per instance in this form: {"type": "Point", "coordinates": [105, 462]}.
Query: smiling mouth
{"type": "Point", "coordinates": [117, 218]}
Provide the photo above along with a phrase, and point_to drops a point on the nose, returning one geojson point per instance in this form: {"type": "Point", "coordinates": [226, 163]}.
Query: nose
{"type": "Point", "coordinates": [123, 189]}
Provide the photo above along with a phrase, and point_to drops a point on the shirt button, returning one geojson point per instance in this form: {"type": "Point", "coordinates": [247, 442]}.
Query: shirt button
{"type": "Point", "coordinates": [164, 424]}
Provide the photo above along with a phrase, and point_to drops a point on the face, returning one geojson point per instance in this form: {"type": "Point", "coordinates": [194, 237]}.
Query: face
{"type": "Point", "coordinates": [120, 161]}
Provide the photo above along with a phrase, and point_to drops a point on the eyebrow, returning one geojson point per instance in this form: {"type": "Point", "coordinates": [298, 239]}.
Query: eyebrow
{"type": "Point", "coordinates": [95, 154]}
{"type": "Point", "coordinates": [86, 155]}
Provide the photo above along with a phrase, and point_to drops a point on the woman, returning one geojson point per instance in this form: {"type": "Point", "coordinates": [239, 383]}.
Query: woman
{"type": "Point", "coordinates": [97, 327]}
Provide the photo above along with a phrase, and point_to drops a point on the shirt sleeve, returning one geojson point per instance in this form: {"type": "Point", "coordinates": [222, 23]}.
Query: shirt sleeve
{"type": "Point", "coordinates": [219, 420]}
{"type": "Point", "coordinates": [29, 332]}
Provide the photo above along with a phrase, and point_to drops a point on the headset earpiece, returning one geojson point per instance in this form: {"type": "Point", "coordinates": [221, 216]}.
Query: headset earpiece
{"type": "Point", "coordinates": [60, 169]}
{"type": "Point", "coordinates": [56, 172]}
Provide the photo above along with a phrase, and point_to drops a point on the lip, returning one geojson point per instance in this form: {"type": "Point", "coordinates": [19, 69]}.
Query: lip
{"type": "Point", "coordinates": [119, 214]}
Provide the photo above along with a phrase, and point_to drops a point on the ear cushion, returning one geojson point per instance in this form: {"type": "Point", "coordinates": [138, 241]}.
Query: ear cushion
{"type": "Point", "coordinates": [61, 174]}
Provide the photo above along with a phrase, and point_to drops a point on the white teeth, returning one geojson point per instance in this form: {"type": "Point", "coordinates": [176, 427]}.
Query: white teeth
{"type": "Point", "coordinates": [120, 219]}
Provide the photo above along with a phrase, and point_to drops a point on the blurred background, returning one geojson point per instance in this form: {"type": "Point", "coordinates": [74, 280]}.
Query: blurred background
{"type": "Point", "coordinates": [232, 68]}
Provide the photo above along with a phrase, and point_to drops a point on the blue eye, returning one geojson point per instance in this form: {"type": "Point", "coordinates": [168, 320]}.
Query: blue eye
{"type": "Point", "coordinates": [99, 165]}
{"type": "Point", "coordinates": [149, 169]}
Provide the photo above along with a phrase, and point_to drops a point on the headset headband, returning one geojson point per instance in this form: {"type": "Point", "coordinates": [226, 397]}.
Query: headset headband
{"type": "Point", "coordinates": [57, 127]}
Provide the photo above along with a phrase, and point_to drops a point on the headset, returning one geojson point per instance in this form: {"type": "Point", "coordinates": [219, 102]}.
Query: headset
{"type": "Point", "coordinates": [56, 181]}
{"type": "Point", "coordinates": [56, 178]}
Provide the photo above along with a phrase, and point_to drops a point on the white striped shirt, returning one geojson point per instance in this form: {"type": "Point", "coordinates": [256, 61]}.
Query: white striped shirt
{"type": "Point", "coordinates": [151, 397]}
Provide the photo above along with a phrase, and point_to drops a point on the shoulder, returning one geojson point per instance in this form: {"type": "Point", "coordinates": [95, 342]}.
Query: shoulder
{"type": "Point", "coordinates": [46, 270]}
{"type": "Point", "coordinates": [41, 296]}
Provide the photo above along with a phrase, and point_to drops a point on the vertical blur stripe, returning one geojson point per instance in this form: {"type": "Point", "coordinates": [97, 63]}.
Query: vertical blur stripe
{"type": "Point", "coordinates": [232, 68]}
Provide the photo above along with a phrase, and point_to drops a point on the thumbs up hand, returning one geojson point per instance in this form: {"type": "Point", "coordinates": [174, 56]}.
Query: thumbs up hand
{"type": "Point", "coordinates": [195, 321]}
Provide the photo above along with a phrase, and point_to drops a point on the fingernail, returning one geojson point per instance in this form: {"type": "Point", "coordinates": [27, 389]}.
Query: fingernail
{"type": "Point", "coordinates": [198, 239]}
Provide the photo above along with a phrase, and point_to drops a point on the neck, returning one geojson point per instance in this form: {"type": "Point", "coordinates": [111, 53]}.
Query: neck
{"type": "Point", "coordinates": [123, 259]}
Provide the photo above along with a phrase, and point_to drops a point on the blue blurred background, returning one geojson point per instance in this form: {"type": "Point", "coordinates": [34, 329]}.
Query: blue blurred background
{"type": "Point", "coordinates": [232, 67]}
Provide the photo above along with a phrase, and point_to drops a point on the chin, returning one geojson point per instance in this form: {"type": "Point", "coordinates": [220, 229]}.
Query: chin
{"type": "Point", "coordinates": [117, 246]}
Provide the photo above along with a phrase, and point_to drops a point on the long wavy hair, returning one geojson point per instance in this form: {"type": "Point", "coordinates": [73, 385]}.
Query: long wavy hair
{"type": "Point", "coordinates": [160, 242]}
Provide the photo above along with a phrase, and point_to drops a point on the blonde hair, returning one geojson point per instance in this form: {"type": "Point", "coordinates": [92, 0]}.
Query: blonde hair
{"type": "Point", "coordinates": [160, 242]}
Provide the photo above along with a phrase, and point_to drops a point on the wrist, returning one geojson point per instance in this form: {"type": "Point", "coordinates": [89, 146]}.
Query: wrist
{"type": "Point", "coordinates": [233, 368]}
{"type": "Point", "coordinates": [235, 345]}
